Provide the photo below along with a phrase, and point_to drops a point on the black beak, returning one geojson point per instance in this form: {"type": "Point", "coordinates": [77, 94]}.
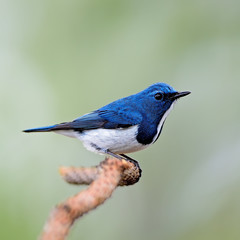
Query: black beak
{"type": "Point", "coordinates": [179, 95]}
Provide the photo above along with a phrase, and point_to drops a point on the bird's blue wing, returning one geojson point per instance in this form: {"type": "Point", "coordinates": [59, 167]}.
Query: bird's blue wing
{"type": "Point", "coordinates": [107, 119]}
{"type": "Point", "coordinates": [87, 121]}
{"type": "Point", "coordinates": [124, 117]}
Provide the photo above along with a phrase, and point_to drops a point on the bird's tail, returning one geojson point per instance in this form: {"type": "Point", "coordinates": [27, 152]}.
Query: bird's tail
{"type": "Point", "coordinates": [61, 126]}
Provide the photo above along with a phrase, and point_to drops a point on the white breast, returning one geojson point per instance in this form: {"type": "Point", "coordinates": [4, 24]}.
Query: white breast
{"type": "Point", "coordinates": [116, 140]}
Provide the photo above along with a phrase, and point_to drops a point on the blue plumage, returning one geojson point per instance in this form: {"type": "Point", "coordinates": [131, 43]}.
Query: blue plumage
{"type": "Point", "coordinates": [125, 125]}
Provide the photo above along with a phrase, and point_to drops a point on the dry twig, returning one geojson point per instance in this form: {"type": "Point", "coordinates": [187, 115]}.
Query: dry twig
{"type": "Point", "coordinates": [103, 180]}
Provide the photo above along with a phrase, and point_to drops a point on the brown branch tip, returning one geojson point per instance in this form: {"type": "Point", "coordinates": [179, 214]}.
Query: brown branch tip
{"type": "Point", "coordinates": [102, 180]}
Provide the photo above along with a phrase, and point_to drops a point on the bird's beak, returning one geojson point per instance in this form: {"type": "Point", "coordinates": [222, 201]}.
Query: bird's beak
{"type": "Point", "coordinates": [179, 95]}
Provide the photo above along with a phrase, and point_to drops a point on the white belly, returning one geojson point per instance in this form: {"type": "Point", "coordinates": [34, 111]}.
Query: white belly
{"type": "Point", "coordinates": [116, 141]}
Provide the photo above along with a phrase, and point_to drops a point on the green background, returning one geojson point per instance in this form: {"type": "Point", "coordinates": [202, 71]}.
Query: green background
{"type": "Point", "coordinates": [60, 59]}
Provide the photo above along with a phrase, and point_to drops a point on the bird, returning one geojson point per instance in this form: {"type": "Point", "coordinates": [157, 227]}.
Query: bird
{"type": "Point", "coordinates": [124, 126]}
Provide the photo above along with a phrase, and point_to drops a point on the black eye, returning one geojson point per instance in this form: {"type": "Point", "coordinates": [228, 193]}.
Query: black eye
{"type": "Point", "coordinates": [158, 96]}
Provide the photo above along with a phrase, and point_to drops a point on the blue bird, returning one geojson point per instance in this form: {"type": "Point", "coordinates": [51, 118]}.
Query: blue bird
{"type": "Point", "coordinates": [126, 125]}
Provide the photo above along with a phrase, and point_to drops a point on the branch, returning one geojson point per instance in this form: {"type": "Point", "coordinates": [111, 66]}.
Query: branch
{"type": "Point", "coordinates": [103, 180]}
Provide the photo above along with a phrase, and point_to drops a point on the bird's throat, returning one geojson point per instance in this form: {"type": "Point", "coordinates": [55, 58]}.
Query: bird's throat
{"type": "Point", "coordinates": [160, 125]}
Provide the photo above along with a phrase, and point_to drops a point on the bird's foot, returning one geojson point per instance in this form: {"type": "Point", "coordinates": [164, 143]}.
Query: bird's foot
{"type": "Point", "coordinates": [127, 158]}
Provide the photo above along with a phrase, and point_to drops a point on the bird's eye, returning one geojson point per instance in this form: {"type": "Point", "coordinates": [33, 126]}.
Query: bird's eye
{"type": "Point", "coordinates": [158, 96]}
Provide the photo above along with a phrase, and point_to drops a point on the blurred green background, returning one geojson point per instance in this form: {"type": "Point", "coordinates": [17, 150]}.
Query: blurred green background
{"type": "Point", "coordinates": [61, 59]}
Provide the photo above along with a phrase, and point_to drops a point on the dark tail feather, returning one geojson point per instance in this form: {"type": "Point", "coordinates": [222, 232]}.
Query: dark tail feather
{"type": "Point", "coordinates": [40, 129]}
{"type": "Point", "coordinates": [62, 126]}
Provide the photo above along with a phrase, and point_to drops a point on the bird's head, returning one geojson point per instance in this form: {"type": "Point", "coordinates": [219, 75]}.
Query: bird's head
{"type": "Point", "coordinates": [159, 97]}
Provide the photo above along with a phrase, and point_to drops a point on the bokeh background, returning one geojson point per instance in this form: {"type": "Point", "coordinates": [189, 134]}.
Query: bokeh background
{"type": "Point", "coordinates": [61, 59]}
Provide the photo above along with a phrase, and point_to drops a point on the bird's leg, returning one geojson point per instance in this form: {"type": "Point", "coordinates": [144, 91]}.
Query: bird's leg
{"type": "Point", "coordinates": [123, 156]}
{"type": "Point", "coordinates": [113, 154]}
{"type": "Point", "coordinates": [118, 156]}
{"type": "Point", "coordinates": [106, 151]}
